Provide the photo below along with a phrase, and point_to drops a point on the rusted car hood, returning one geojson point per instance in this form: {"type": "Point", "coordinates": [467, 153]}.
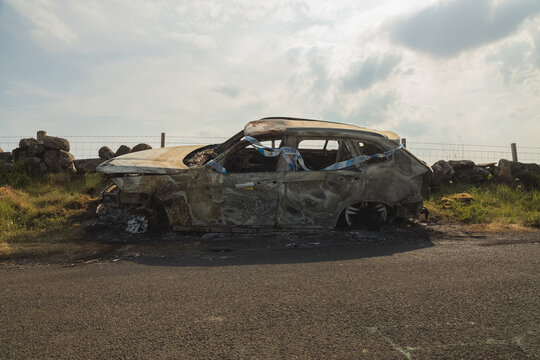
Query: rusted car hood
{"type": "Point", "coordinates": [168, 160]}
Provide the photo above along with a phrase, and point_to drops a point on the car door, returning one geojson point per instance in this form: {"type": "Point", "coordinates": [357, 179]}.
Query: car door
{"type": "Point", "coordinates": [315, 198]}
{"type": "Point", "coordinates": [243, 196]}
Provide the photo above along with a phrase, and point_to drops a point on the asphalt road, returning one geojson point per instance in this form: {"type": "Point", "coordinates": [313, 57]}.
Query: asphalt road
{"type": "Point", "coordinates": [336, 295]}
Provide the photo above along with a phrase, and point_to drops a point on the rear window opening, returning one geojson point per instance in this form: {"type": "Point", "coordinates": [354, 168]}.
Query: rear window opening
{"type": "Point", "coordinates": [368, 148]}
{"type": "Point", "coordinates": [321, 153]}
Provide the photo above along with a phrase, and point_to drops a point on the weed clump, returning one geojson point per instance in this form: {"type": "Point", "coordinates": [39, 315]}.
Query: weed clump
{"type": "Point", "coordinates": [37, 212]}
{"type": "Point", "coordinates": [488, 202]}
{"type": "Point", "coordinates": [16, 176]}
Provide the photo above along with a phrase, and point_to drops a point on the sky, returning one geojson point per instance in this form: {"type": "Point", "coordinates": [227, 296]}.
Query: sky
{"type": "Point", "coordinates": [465, 71]}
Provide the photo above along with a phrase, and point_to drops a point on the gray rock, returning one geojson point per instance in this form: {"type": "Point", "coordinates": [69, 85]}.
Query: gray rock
{"type": "Point", "coordinates": [460, 170]}
{"type": "Point", "coordinates": [42, 167]}
{"type": "Point", "coordinates": [528, 174]}
{"type": "Point", "coordinates": [458, 165]}
{"type": "Point", "coordinates": [51, 160]}
{"type": "Point", "coordinates": [442, 172]}
{"type": "Point", "coordinates": [65, 159]}
{"type": "Point", "coordinates": [55, 143]}
{"type": "Point", "coordinates": [19, 154]}
{"type": "Point", "coordinates": [6, 156]}
{"type": "Point", "coordinates": [58, 161]}
{"type": "Point", "coordinates": [71, 168]}
{"type": "Point", "coordinates": [32, 165]}
{"type": "Point", "coordinates": [36, 150]}
{"type": "Point", "coordinates": [122, 150]}
{"type": "Point", "coordinates": [474, 175]}
{"type": "Point", "coordinates": [141, 147]}
{"type": "Point", "coordinates": [491, 167]}
{"type": "Point", "coordinates": [467, 171]}
{"type": "Point", "coordinates": [7, 166]}
{"type": "Point", "coordinates": [35, 159]}
{"type": "Point", "coordinates": [84, 166]}
{"type": "Point", "coordinates": [15, 153]}
{"type": "Point", "coordinates": [105, 153]}
{"type": "Point", "coordinates": [25, 143]}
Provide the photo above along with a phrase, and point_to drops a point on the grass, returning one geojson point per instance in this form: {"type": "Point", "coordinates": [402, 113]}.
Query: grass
{"type": "Point", "coordinates": [491, 203]}
{"type": "Point", "coordinates": [40, 215]}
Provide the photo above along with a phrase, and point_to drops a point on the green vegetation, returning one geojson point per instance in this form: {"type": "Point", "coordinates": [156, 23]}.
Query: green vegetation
{"type": "Point", "coordinates": [491, 203]}
{"type": "Point", "coordinates": [40, 214]}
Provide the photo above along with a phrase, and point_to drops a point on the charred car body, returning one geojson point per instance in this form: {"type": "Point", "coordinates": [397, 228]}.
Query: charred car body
{"type": "Point", "coordinates": [280, 173]}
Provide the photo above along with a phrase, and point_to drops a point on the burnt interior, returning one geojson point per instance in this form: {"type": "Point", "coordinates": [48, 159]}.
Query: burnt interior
{"type": "Point", "coordinates": [249, 159]}
{"type": "Point", "coordinates": [369, 148]}
{"type": "Point", "coordinates": [318, 159]}
{"type": "Point", "coordinates": [201, 156]}
{"type": "Point", "coordinates": [204, 154]}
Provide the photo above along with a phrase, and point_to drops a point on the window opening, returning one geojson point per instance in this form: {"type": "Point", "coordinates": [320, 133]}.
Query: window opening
{"type": "Point", "coordinates": [368, 148]}
{"type": "Point", "coordinates": [248, 159]}
{"type": "Point", "coordinates": [321, 153]}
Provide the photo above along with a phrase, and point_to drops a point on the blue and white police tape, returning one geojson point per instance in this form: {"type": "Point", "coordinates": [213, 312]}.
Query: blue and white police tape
{"type": "Point", "coordinates": [360, 159]}
{"type": "Point", "coordinates": [287, 152]}
{"type": "Point", "coordinates": [216, 166]}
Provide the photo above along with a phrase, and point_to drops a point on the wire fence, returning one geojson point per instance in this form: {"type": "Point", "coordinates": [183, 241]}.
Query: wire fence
{"type": "Point", "coordinates": [87, 147]}
{"type": "Point", "coordinates": [431, 152]}
{"type": "Point", "coordinates": [84, 147]}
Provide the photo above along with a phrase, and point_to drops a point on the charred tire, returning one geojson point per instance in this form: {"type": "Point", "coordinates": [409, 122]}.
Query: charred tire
{"type": "Point", "coordinates": [133, 218]}
{"type": "Point", "coordinates": [371, 216]}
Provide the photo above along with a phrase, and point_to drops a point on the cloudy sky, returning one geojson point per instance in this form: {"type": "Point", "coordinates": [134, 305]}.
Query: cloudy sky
{"type": "Point", "coordinates": [452, 71]}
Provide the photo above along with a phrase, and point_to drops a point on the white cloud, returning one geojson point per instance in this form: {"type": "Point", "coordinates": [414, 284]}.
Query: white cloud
{"type": "Point", "coordinates": [198, 67]}
{"type": "Point", "coordinates": [448, 28]}
{"type": "Point", "coordinates": [47, 28]}
{"type": "Point", "coordinates": [366, 72]}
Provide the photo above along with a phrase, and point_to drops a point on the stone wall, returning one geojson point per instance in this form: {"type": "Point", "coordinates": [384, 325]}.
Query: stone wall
{"type": "Point", "coordinates": [50, 154]}
{"type": "Point", "coordinates": [445, 172]}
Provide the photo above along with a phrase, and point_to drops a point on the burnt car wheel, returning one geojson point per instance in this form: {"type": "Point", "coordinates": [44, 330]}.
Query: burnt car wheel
{"type": "Point", "coordinates": [132, 218]}
{"type": "Point", "coordinates": [366, 215]}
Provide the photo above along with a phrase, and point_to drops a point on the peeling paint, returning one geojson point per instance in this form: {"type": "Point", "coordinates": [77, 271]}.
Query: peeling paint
{"type": "Point", "coordinates": [259, 192]}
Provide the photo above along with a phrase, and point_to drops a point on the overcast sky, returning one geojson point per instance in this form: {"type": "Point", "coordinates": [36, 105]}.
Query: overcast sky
{"type": "Point", "coordinates": [451, 71]}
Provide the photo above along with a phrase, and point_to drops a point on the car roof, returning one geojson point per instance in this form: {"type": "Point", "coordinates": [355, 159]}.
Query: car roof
{"type": "Point", "coordinates": [283, 124]}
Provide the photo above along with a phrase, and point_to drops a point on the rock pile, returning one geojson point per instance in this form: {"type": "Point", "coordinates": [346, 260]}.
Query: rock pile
{"type": "Point", "coordinates": [50, 154]}
{"type": "Point", "coordinates": [527, 174]}
{"type": "Point", "coordinates": [6, 160]}
{"type": "Point", "coordinates": [106, 153]}
{"type": "Point", "coordinates": [445, 172]}
{"type": "Point", "coordinates": [84, 166]}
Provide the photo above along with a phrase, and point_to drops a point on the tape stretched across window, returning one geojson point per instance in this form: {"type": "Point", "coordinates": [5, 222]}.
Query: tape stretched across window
{"type": "Point", "coordinates": [295, 161]}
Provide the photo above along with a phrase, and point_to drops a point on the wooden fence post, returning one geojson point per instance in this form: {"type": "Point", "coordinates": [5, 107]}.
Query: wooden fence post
{"type": "Point", "coordinates": [162, 140]}
{"type": "Point", "coordinates": [514, 151]}
{"type": "Point", "coordinates": [404, 142]}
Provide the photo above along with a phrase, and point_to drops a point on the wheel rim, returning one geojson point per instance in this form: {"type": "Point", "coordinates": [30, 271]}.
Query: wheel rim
{"type": "Point", "coordinates": [383, 213]}
{"type": "Point", "coordinates": [352, 211]}
{"type": "Point", "coordinates": [349, 212]}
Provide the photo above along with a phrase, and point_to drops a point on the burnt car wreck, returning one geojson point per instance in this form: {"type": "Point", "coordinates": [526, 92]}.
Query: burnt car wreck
{"type": "Point", "coordinates": [277, 173]}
